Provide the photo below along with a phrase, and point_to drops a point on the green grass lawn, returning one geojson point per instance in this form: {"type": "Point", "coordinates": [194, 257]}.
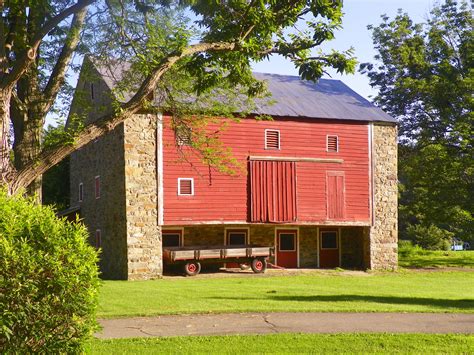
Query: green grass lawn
{"type": "Point", "coordinates": [432, 258]}
{"type": "Point", "coordinates": [404, 291]}
{"type": "Point", "coordinates": [291, 344]}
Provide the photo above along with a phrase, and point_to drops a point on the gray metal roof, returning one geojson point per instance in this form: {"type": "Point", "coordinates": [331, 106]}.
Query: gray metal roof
{"type": "Point", "coordinates": [327, 98]}
{"type": "Point", "coordinates": [293, 97]}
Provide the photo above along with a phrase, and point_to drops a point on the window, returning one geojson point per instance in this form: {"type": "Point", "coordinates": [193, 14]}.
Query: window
{"type": "Point", "coordinates": [185, 187]}
{"type": "Point", "coordinates": [272, 139]}
{"type": "Point", "coordinates": [80, 198]}
{"type": "Point", "coordinates": [98, 238]}
{"type": "Point", "coordinates": [92, 91]}
{"type": "Point", "coordinates": [332, 145]}
{"type": "Point", "coordinates": [329, 240]}
{"type": "Point", "coordinates": [287, 241]}
{"type": "Point", "coordinates": [236, 237]}
{"type": "Point", "coordinates": [97, 187]}
{"type": "Point", "coordinates": [172, 238]}
{"type": "Point", "coordinates": [183, 135]}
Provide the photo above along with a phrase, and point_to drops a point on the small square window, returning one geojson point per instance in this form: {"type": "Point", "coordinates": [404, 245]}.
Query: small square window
{"type": "Point", "coordinates": [185, 187]}
{"type": "Point", "coordinates": [287, 242]}
{"type": "Point", "coordinates": [183, 135]}
{"type": "Point", "coordinates": [237, 237]}
{"type": "Point", "coordinates": [332, 145]}
{"type": "Point", "coordinates": [98, 238]}
{"type": "Point", "coordinates": [328, 240]}
{"type": "Point", "coordinates": [272, 139]}
{"type": "Point", "coordinates": [97, 187]}
{"type": "Point", "coordinates": [80, 198]}
{"type": "Point", "coordinates": [172, 238]}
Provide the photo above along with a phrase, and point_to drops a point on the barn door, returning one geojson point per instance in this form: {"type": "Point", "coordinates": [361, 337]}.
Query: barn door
{"type": "Point", "coordinates": [273, 191]}
{"type": "Point", "coordinates": [235, 237]}
{"type": "Point", "coordinates": [287, 248]}
{"type": "Point", "coordinates": [329, 249]}
{"type": "Point", "coordinates": [335, 195]}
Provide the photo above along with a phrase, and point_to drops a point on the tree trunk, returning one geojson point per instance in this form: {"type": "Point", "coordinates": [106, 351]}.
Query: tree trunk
{"type": "Point", "coordinates": [27, 144]}
{"type": "Point", "coordinates": [27, 114]}
{"type": "Point", "coordinates": [5, 161]}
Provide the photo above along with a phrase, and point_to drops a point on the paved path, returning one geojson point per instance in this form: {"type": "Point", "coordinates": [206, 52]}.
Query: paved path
{"type": "Point", "coordinates": [267, 323]}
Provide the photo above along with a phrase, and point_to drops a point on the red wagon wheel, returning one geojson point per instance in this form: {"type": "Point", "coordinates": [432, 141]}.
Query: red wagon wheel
{"type": "Point", "coordinates": [192, 268]}
{"type": "Point", "coordinates": [259, 265]}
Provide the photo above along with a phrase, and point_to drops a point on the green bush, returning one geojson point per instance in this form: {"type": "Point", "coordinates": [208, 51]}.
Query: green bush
{"type": "Point", "coordinates": [430, 237]}
{"type": "Point", "coordinates": [48, 280]}
{"type": "Point", "coordinates": [406, 248]}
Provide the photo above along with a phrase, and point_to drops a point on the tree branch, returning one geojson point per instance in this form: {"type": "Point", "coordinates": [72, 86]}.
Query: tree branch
{"type": "Point", "coordinates": [59, 71]}
{"type": "Point", "coordinates": [49, 158]}
{"type": "Point", "coordinates": [29, 55]}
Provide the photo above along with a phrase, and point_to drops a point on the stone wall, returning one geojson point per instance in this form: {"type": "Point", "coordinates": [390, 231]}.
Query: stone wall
{"type": "Point", "coordinates": [105, 158]}
{"type": "Point", "coordinates": [383, 235]}
{"type": "Point", "coordinates": [143, 232]}
{"type": "Point", "coordinates": [351, 240]}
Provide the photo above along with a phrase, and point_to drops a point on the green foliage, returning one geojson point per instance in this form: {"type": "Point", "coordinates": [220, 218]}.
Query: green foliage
{"type": "Point", "coordinates": [424, 73]}
{"type": "Point", "coordinates": [430, 237]}
{"type": "Point", "coordinates": [48, 280]}
{"type": "Point", "coordinates": [55, 183]}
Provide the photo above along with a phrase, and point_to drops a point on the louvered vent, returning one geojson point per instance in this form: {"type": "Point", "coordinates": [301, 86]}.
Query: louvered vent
{"type": "Point", "coordinates": [272, 139]}
{"type": "Point", "coordinates": [185, 187]}
{"type": "Point", "coordinates": [332, 144]}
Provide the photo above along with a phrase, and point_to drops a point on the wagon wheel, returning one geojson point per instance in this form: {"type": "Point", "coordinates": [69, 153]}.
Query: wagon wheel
{"type": "Point", "coordinates": [244, 266]}
{"type": "Point", "coordinates": [192, 268]}
{"type": "Point", "coordinates": [259, 265]}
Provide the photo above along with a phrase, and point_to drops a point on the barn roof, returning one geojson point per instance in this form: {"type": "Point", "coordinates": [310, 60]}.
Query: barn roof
{"type": "Point", "coordinates": [293, 97]}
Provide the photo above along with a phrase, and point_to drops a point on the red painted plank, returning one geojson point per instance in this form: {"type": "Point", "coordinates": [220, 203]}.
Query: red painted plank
{"type": "Point", "coordinates": [226, 198]}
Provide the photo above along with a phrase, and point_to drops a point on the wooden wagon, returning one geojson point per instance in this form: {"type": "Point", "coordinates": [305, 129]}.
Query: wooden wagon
{"type": "Point", "coordinates": [191, 257]}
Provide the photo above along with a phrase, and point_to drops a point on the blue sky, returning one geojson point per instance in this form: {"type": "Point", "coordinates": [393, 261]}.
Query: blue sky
{"type": "Point", "coordinates": [358, 14]}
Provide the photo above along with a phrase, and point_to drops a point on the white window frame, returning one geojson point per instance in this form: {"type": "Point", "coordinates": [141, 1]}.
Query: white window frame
{"type": "Point", "coordinates": [237, 230]}
{"type": "Point", "coordinates": [279, 138]}
{"type": "Point", "coordinates": [80, 197]}
{"type": "Point", "coordinates": [179, 231]}
{"type": "Point", "coordinates": [179, 186]}
{"type": "Point", "coordinates": [337, 239]}
{"type": "Point", "coordinates": [327, 142]}
{"type": "Point", "coordinates": [98, 191]}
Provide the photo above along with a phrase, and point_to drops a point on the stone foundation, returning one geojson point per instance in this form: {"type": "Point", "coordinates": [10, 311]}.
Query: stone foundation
{"type": "Point", "coordinates": [351, 241]}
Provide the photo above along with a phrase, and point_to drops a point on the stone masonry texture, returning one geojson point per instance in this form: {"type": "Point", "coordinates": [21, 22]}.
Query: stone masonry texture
{"type": "Point", "coordinates": [105, 158]}
{"type": "Point", "coordinates": [143, 232]}
{"type": "Point", "coordinates": [381, 246]}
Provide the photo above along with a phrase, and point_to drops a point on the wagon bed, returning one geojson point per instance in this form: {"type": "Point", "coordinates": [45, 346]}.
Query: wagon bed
{"type": "Point", "coordinates": [191, 257]}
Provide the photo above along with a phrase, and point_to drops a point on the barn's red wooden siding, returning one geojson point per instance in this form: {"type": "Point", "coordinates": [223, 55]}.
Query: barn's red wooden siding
{"type": "Point", "coordinates": [223, 198]}
{"type": "Point", "coordinates": [273, 191]}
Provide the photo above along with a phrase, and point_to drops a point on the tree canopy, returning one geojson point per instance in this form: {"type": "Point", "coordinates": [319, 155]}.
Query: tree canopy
{"type": "Point", "coordinates": [425, 75]}
{"type": "Point", "coordinates": [212, 43]}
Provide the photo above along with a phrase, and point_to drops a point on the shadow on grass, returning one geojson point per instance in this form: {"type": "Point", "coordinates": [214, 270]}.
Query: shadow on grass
{"type": "Point", "coordinates": [420, 262]}
{"type": "Point", "coordinates": [465, 304]}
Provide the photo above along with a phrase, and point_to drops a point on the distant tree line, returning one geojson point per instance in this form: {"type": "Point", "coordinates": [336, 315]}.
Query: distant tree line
{"type": "Point", "coordinates": [424, 74]}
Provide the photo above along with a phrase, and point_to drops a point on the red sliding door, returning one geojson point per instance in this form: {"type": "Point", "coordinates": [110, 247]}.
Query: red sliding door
{"type": "Point", "coordinates": [273, 191]}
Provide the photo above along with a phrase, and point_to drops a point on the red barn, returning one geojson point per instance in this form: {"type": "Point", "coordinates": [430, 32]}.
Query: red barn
{"type": "Point", "coordinates": [318, 182]}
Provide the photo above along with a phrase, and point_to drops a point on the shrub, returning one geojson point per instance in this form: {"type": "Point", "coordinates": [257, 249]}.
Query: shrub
{"type": "Point", "coordinates": [48, 280]}
{"type": "Point", "coordinates": [430, 237]}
